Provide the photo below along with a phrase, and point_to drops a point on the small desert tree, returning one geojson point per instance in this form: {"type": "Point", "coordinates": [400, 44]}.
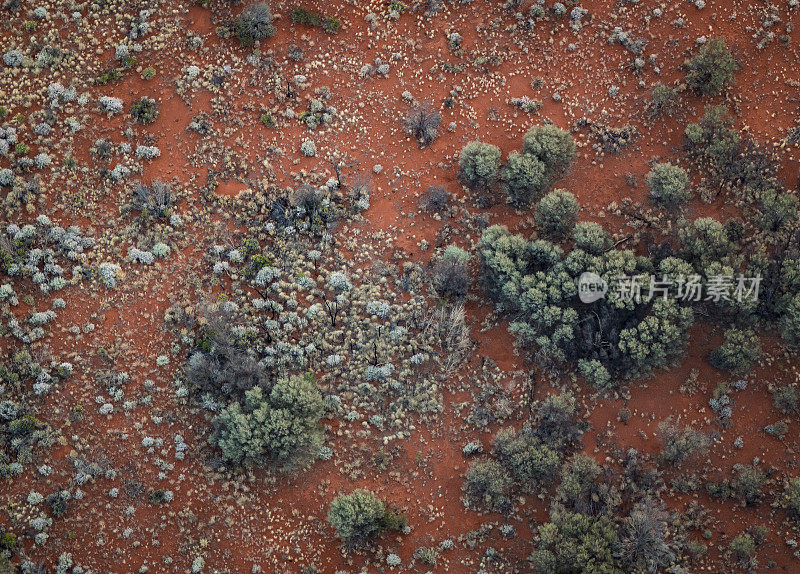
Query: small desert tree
{"type": "Point", "coordinates": [254, 24]}
{"type": "Point", "coordinates": [680, 444]}
{"type": "Point", "coordinates": [478, 164]}
{"type": "Point", "coordinates": [361, 515]}
{"type": "Point", "coordinates": [487, 483]}
{"type": "Point", "coordinates": [739, 352]}
{"type": "Point", "coordinates": [591, 237]}
{"type": "Point", "coordinates": [557, 213]}
{"type": "Point", "coordinates": [422, 123]}
{"type": "Point", "coordinates": [668, 184]}
{"type": "Point", "coordinates": [524, 179]}
{"type": "Point", "coordinates": [281, 428]}
{"type": "Point", "coordinates": [551, 145]}
{"type": "Point", "coordinates": [530, 462]}
{"type": "Point", "coordinates": [450, 275]}
{"type": "Point", "coordinates": [574, 542]}
{"type": "Point", "coordinates": [711, 69]}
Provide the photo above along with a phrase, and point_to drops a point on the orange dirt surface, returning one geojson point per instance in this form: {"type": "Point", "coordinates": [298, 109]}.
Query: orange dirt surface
{"type": "Point", "coordinates": [258, 518]}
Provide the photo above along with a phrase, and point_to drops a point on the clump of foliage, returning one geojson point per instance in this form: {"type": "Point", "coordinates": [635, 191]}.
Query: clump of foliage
{"type": "Point", "coordinates": [575, 542]}
{"type": "Point", "coordinates": [422, 123]}
{"type": "Point", "coordinates": [547, 152]}
{"type": "Point", "coordinates": [524, 178]}
{"type": "Point", "coordinates": [254, 24]}
{"type": "Point", "coordinates": [154, 200]}
{"type": "Point", "coordinates": [668, 184]}
{"type": "Point", "coordinates": [747, 485]}
{"type": "Point", "coordinates": [144, 110]}
{"type": "Point", "coordinates": [556, 213]}
{"type": "Point", "coordinates": [664, 101]}
{"type": "Point", "coordinates": [280, 428]}
{"type": "Point", "coordinates": [487, 483]}
{"type": "Point", "coordinates": [450, 274]}
{"type": "Point", "coordinates": [361, 516]}
{"type": "Point", "coordinates": [786, 399]}
{"type": "Point", "coordinates": [478, 164]}
{"type": "Point", "coordinates": [536, 283]}
{"type": "Point", "coordinates": [711, 69]}
{"type": "Point", "coordinates": [307, 17]}
{"type": "Point", "coordinates": [679, 445]}
{"type": "Point", "coordinates": [740, 351]}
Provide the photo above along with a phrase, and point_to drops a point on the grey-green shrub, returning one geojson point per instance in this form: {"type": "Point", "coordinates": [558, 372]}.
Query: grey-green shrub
{"type": "Point", "coordinates": [668, 184]}
{"type": "Point", "coordinates": [711, 69]}
{"type": "Point", "coordinates": [741, 349]}
{"type": "Point", "coordinates": [556, 213]}
{"type": "Point", "coordinates": [281, 429]}
{"type": "Point", "coordinates": [487, 483]}
{"type": "Point", "coordinates": [361, 515]}
{"type": "Point", "coordinates": [524, 179]}
{"type": "Point", "coordinates": [591, 237]}
{"type": "Point", "coordinates": [254, 24]}
{"type": "Point", "coordinates": [478, 164]}
{"type": "Point", "coordinates": [551, 145]}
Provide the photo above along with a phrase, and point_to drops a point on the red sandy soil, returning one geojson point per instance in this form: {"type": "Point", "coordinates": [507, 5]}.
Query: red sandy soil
{"type": "Point", "coordinates": [274, 520]}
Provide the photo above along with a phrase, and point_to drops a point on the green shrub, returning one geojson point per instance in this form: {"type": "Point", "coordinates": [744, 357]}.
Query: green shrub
{"type": "Point", "coordinates": [743, 548]}
{"type": "Point", "coordinates": [680, 445]}
{"type": "Point", "coordinates": [668, 184]}
{"type": "Point", "coordinates": [144, 110]}
{"type": "Point", "coordinates": [739, 352]}
{"type": "Point", "coordinates": [281, 428]}
{"type": "Point", "coordinates": [785, 398]}
{"type": "Point", "coordinates": [747, 485]}
{"type": "Point", "coordinates": [331, 25]}
{"type": "Point", "coordinates": [556, 213]}
{"type": "Point", "coordinates": [789, 322]}
{"type": "Point", "coordinates": [591, 237]}
{"type": "Point", "coordinates": [574, 542]}
{"type": "Point", "coordinates": [524, 179]}
{"type": "Point", "coordinates": [487, 483]}
{"type": "Point", "coordinates": [551, 145]}
{"type": "Point", "coordinates": [664, 101]}
{"type": "Point", "coordinates": [595, 374]}
{"type": "Point", "coordinates": [529, 462]}
{"type": "Point", "coordinates": [305, 16]}
{"type": "Point", "coordinates": [791, 498]}
{"type": "Point", "coordinates": [713, 138]}
{"type": "Point", "coordinates": [361, 515]}
{"type": "Point", "coordinates": [478, 164]}
{"type": "Point", "coordinates": [254, 24]}
{"type": "Point", "coordinates": [711, 69]}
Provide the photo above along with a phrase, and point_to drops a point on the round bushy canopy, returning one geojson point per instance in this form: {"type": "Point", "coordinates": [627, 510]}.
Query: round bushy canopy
{"type": "Point", "coordinates": [557, 213]}
{"type": "Point", "coordinates": [281, 428]}
{"type": "Point", "coordinates": [552, 145]}
{"type": "Point", "coordinates": [591, 237]}
{"type": "Point", "coordinates": [479, 163]}
{"type": "Point", "coordinates": [668, 184]}
{"type": "Point", "coordinates": [712, 68]}
{"type": "Point", "coordinates": [357, 515]}
{"type": "Point", "coordinates": [524, 177]}
{"type": "Point", "coordinates": [255, 24]}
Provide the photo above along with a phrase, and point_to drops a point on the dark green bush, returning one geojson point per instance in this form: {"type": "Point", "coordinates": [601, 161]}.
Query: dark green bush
{"type": "Point", "coordinates": [360, 516]}
{"type": "Point", "coordinates": [254, 24]}
{"type": "Point", "coordinates": [478, 164]}
{"type": "Point", "coordinates": [711, 69]}
{"type": "Point", "coordinates": [668, 184]}
{"type": "Point", "coordinates": [739, 352]}
{"type": "Point", "coordinates": [556, 213]}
